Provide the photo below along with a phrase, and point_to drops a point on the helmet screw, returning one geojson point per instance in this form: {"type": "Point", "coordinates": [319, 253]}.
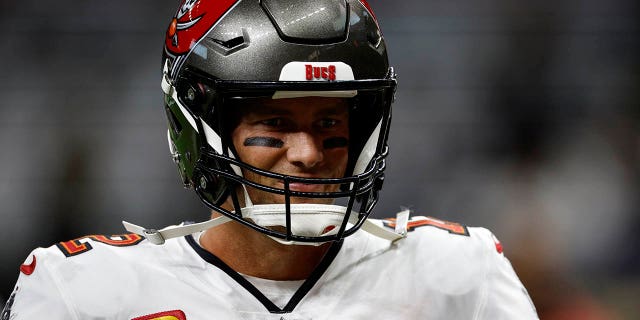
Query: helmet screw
{"type": "Point", "coordinates": [191, 94]}
{"type": "Point", "coordinates": [203, 182]}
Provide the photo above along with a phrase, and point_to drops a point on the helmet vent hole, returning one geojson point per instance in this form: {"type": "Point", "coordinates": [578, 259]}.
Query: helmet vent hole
{"type": "Point", "coordinates": [231, 43]}
{"type": "Point", "coordinates": [226, 47]}
{"type": "Point", "coordinates": [309, 21]}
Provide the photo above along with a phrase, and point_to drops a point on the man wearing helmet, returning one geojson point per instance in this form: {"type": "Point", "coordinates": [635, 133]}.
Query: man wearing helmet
{"type": "Point", "coordinates": [278, 115]}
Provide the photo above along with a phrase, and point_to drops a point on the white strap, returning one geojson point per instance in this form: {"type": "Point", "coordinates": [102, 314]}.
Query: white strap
{"type": "Point", "coordinates": [380, 232]}
{"type": "Point", "coordinates": [160, 236]}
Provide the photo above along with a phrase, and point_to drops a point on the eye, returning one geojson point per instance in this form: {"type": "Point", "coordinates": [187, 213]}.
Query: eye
{"type": "Point", "coordinates": [328, 123]}
{"type": "Point", "coordinates": [272, 122]}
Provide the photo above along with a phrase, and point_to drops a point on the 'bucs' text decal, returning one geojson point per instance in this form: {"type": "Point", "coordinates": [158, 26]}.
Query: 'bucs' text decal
{"type": "Point", "coordinates": [317, 72]}
{"type": "Point", "coordinates": [82, 244]}
{"type": "Point", "coordinates": [415, 222]}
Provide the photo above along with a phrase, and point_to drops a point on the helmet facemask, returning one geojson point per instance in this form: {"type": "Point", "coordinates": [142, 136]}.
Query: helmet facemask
{"type": "Point", "coordinates": [324, 216]}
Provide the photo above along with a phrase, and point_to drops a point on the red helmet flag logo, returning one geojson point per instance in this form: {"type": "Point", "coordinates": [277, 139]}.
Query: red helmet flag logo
{"type": "Point", "coordinates": [193, 20]}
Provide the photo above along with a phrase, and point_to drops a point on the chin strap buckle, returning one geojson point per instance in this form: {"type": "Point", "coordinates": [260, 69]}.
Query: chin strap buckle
{"type": "Point", "coordinates": [154, 236]}
{"type": "Point", "coordinates": [402, 222]}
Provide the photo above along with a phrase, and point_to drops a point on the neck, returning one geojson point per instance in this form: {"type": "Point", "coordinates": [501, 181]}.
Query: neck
{"type": "Point", "coordinates": [252, 253]}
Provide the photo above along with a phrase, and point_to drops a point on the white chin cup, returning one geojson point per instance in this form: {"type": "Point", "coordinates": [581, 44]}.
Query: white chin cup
{"type": "Point", "coordinates": [307, 219]}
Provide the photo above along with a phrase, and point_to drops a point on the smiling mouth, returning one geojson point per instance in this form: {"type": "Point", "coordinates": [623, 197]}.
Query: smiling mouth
{"type": "Point", "coordinates": [305, 187]}
{"type": "Point", "coordinates": [308, 187]}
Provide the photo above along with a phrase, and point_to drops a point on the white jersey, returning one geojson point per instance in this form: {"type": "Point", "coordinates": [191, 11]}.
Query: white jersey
{"type": "Point", "coordinates": [440, 271]}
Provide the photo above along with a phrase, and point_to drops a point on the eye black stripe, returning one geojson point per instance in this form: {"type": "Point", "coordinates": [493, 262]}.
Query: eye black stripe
{"type": "Point", "coordinates": [335, 142]}
{"type": "Point", "coordinates": [263, 142]}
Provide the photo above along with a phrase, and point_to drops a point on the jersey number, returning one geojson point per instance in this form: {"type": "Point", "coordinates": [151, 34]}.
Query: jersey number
{"type": "Point", "coordinates": [80, 245]}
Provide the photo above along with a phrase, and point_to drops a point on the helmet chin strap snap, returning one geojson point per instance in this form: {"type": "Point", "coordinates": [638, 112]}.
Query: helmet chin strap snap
{"type": "Point", "coordinates": [306, 219]}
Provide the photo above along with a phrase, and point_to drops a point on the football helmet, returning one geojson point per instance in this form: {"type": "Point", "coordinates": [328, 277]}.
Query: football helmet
{"type": "Point", "coordinates": [221, 54]}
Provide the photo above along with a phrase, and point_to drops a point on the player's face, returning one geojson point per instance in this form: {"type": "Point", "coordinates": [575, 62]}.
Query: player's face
{"type": "Point", "coordinates": [303, 137]}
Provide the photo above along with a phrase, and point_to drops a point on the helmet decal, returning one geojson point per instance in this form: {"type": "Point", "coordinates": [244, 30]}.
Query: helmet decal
{"type": "Point", "coordinates": [193, 20]}
{"type": "Point", "coordinates": [316, 71]}
{"type": "Point", "coordinates": [326, 73]}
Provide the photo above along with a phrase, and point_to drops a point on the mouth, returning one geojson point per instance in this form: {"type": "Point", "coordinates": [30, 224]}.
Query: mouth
{"type": "Point", "coordinates": [305, 187]}
{"type": "Point", "coordinates": [309, 188]}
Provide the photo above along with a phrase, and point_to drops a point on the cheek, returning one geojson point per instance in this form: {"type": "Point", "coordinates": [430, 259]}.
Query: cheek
{"type": "Point", "coordinates": [254, 149]}
{"type": "Point", "coordinates": [338, 159]}
{"type": "Point", "coordinates": [260, 157]}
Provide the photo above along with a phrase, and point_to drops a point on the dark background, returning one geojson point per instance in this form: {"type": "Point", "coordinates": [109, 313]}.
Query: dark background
{"type": "Point", "coordinates": [520, 116]}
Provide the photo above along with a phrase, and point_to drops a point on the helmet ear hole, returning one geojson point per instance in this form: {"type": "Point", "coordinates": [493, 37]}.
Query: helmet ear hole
{"type": "Point", "coordinates": [210, 187]}
{"type": "Point", "coordinates": [192, 95]}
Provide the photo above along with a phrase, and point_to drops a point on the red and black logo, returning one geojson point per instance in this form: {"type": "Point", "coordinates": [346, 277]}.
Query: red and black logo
{"type": "Point", "coordinates": [192, 22]}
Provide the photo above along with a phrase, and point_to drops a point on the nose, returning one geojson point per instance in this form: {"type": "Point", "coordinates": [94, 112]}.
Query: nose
{"type": "Point", "coordinates": [303, 150]}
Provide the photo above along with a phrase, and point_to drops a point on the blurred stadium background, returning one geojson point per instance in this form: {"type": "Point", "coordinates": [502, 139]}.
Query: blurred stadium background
{"type": "Point", "coordinates": [520, 116]}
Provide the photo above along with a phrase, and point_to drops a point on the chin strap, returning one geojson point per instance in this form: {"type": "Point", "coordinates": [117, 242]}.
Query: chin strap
{"type": "Point", "coordinates": [158, 237]}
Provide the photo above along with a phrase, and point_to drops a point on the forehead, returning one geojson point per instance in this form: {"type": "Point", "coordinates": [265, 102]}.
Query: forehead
{"type": "Point", "coordinates": [294, 106]}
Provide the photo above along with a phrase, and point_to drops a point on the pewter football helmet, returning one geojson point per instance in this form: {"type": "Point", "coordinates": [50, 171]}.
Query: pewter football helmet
{"type": "Point", "coordinates": [220, 53]}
